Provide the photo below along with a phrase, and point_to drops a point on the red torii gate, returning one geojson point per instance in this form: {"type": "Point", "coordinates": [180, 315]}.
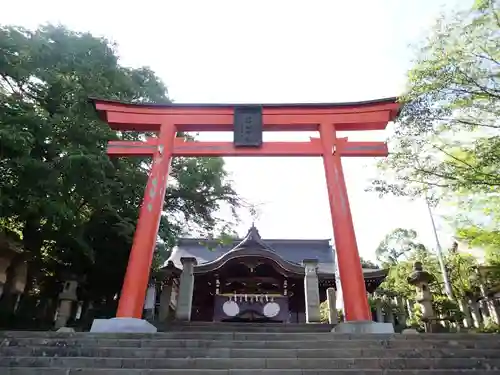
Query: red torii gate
{"type": "Point", "coordinates": [167, 119]}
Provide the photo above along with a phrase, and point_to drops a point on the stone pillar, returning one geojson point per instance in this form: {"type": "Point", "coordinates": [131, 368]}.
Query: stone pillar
{"type": "Point", "coordinates": [401, 311]}
{"type": "Point", "coordinates": [311, 291]}
{"type": "Point", "coordinates": [464, 308]}
{"type": "Point", "coordinates": [19, 278]}
{"type": "Point", "coordinates": [390, 314]}
{"type": "Point", "coordinates": [165, 297]}
{"type": "Point", "coordinates": [4, 265]}
{"type": "Point", "coordinates": [409, 308]}
{"type": "Point", "coordinates": [331, 297]}
{"type": "Point", "coordinates": [150, 301]}
{"type": "Point", "coordinates": [18, 282]}
{"type": "Point", "coordinates": [67, 297]}
{"type": "Point", "coordinates": [476, 314]}
{"type": "Point", "coordinates": [484, 309]}
{"type": "Point", "coordinates": [79, 311]}
{"type": "Point", "coordinates": [379, 312]}
{"type": "Point", "coordinates": [186, 287]}
{"type": "Point", "coordinates": [494, 311]}
{"type": "Point", "coordinates": [489, 308]}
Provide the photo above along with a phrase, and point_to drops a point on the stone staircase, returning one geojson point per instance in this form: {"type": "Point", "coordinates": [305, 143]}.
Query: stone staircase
{"type": "Point", "coordinates": [246, 349]}
{"type": "Point", "coordinates": [243, 327]}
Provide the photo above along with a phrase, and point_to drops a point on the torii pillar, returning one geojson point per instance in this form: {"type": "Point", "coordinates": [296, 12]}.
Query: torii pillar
{"type": "Point", "coordinates": [356, 306]}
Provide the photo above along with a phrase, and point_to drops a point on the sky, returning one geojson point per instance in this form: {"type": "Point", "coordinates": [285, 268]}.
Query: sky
{"type": "Point", "coordinates": [281, 52]}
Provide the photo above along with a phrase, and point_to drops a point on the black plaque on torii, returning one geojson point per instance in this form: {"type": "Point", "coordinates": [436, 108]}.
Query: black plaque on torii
{"type": "Point", "coordinates": [247, 126]}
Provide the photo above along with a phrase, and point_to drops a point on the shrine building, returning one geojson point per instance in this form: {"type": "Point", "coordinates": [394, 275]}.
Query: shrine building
{"type": "Point", "coordinates": [250, 279]}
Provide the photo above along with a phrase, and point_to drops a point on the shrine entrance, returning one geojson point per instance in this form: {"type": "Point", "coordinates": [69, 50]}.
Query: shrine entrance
{"type": "Point", "coordinates": [247, 122]}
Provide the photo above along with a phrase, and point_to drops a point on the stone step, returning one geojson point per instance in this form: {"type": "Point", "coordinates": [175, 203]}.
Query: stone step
{"type": "Point", "coordinates": [97, 371]}
{"type": "Point", "coordinates": [117, 352]}
{"type": "Point", "coordinates": [204, 350]}
{"type": "Point", "coordinates": [96, 341]}
{"type": "Point", "coordinates": [245, 329]}
{"type": "Point", "coordinates": [431, 343]}
{"type": "Point", "coordinates": [242, 327]}
{"type": "Point", "coordinates": [242, 324]}
{"type": "Point", "coordinates": [256, 336]}
{"type": "Point", "coordinates": [254, 363]}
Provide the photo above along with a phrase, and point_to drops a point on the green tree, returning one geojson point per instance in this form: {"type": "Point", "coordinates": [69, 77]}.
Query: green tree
{"type": "Point", "coordinates": [461, 269]}
{"type": "Point", "coordinates": [446, 142]}
{"type": "Point", "coordinates": [493, 256]}
{"type": "Point", "coordinates": [446, 139]}
{"type": "Point", "coordinates": [462, 272]}
{"type": "Point", "coordinates": [489, 241]}
{"type": "Point", "coordinates": [72, 207]}
{"type": "Point", "coordinates": [482, 237]}
{"type": "Point", "coordinates": [366, 263]}
{"type": "Point", "coordinates": [397, 245]}
{"type": "Point", "coordinates": [480, 229]}
{"type": "Point", "coordinates": [396, 281]}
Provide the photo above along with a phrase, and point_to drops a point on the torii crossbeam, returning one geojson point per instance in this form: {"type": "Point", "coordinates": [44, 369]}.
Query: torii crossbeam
{"type": "Point", "coordinates": [192, 148]}
{"type": "Point", "coordinates": [247, 122]}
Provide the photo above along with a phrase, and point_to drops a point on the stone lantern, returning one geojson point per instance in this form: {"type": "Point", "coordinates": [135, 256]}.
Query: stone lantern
{"type": "Point", "coordinates": [421, 280]}
{"type": "Point", "coordinates": [166, 280]}
{"type": "Point", "coordinates": [67, 298]}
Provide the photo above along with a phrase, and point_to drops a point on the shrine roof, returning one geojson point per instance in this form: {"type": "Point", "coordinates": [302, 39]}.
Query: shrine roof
{"type": "Point", "coordinates": [310, 105]}
{"type": "Point", "coordinates": [293, 251]}
{"type": "Point", "coordinates": [290, 250]}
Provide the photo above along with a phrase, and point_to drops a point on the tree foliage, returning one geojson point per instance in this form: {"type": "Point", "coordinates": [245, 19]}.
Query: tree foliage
{"type": "Point", "coordinates": [366, 263]}
{"type": "Point", "coordinates": [480, 229]}
{"type": "Point", "coordinates": [447, 136]}
{"type": "Point", "coordinates": [446, 142]}
{"type": "Point", "coordinates": [72, 207]}
{"type": "Point", "coordinates": [396, 245]}
{"type": "Point", "coordinates": [461, 270]}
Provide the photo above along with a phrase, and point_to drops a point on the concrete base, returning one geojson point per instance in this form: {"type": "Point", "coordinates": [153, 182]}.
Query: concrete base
{"type": "Point", "coordinates": [363, 327]}
{"type": "Point", "coordinates": [122, 325]}
{"type": "Point", "coordinates": [409, 331]}
{"type": "Point", "coordinates": [66, 330]}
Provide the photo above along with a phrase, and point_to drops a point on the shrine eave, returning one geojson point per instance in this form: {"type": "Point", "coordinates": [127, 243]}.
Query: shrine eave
{"type": "Point", "coordinates": [235, 255]}
{"type": "Point", "coordinates": [374, 274]}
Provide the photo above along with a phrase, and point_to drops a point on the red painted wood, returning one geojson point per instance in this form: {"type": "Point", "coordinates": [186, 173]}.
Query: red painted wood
{"type": "Point", "coordinates": [206, 109]}
{"type": "Point", "coordinates": [141, 256]}
{"type": "Point", "coordinates": [346, 148]}
{"type": "Point", "coordinates": [351, 274]}
{"type": "Point", "coordinates": [197, 149]}
{"type": "Point", "coordinates": [130, 148]}
{"type": "Point", "coordinates": [224, 122]}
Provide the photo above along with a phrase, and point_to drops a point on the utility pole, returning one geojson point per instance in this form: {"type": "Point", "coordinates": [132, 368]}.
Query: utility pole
{"type": "Point", "coordinates": [447, 285]}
